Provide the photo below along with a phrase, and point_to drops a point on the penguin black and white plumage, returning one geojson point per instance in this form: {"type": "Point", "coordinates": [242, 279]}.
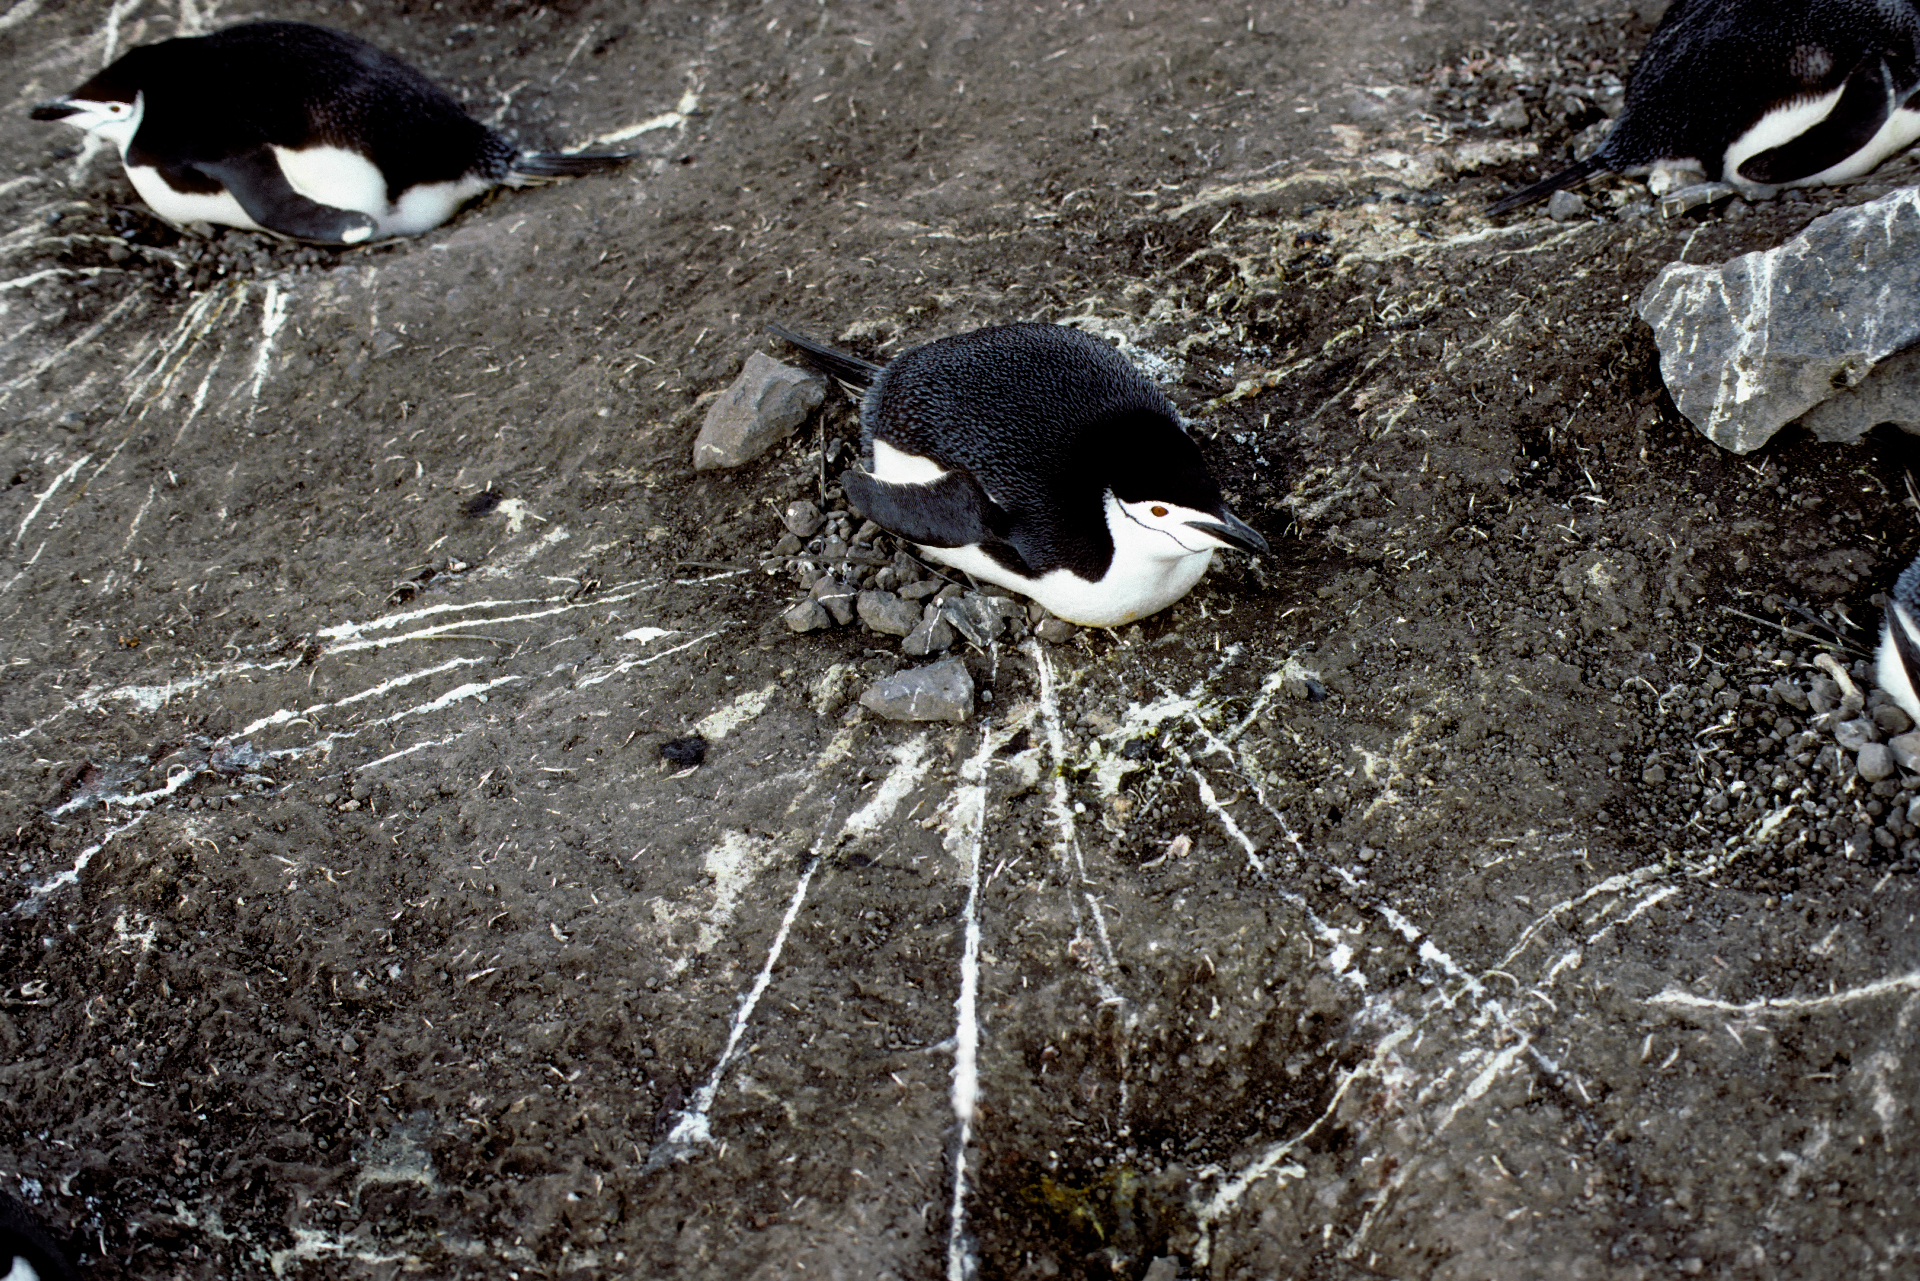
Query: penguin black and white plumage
{"type": "Point", "coordinates": [26, 1248]}
{"type": "Point", "coordinates": [300, 130]}
{"type": "Point", "coordinates": [1038, 458]}
{"type": "Point", "coordinates": [1762, 94]}
{"type": "Point", "coordinates": [1897, 665]}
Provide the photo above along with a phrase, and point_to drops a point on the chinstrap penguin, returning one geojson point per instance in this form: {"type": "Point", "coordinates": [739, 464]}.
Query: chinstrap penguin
{"type": "Point", "coordinates": [1762, 94]}
{"type": "Point", "coordinates": [300, 130]}
{"type": "Point", "coordinates": [27, 1250]}
{"type": "Point", "coordinates": [1037, 458]}
{"type": "Point", "coordinates": [1897, 665]}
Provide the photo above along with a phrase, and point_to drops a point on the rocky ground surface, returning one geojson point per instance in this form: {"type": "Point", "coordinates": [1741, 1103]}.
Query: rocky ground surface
{"type": "Point", "coordinates": [1514, 874]}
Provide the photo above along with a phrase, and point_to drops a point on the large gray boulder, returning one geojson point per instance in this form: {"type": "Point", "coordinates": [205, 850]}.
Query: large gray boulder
{"type": "Point", "coordinates": [1752, 344]}
{"type": "Point", "coordinates": [766, 402]}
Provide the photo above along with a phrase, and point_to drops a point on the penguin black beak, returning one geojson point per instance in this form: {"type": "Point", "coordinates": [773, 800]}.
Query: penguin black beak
{"type": "Point", "coordinates": [57, 109]}
{"type": "Point", "coordinates": [1232, 531]}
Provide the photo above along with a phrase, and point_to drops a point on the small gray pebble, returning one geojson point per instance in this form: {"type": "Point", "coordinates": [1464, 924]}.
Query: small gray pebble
{"type": "Point", "coordinates": [808, 616]}
{"type": "Point", "coordinates": [1790, 694]}
{"type": "Point", "coordinates": [802, 518]}
{"type": "Point", "coordinates": [836, 597]}
{"type": "Point", "coordinates": [920, 589]}
{"type": "Point", "coordinates": [1855, 734]}
{"type": "Point", "coordinates": [1906, 751]}
{"type": "Point", "coordinates": [1055, 631]}
{"type": "Point", "coordinates": [1565, 206]}
{"type": "Point", "coordinates": [790, 545]}
{"type": "Point", "coordinates": [1875, 762]}
{"type": "Point", "coordinates": [887, 613]}
{"type": "Point", "coordinates": [1892, 718]}
{"type": "Point", "coordinates": [934, 635]}
{"type": "Point", "coordinates": [1653, 775]}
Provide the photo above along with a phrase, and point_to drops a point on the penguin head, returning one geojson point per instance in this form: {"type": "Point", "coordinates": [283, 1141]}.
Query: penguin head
{"type": "Point", "coordinates": [97, 110]}
{"type": "Point", "coordinates": [1167, 500]}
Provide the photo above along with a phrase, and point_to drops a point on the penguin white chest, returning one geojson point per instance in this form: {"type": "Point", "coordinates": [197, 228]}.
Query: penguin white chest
{"type": "Point", "coordinates": [21, 1271]}
{"type": "Point", "coordinates": [188, 206]}
{"type": "Point", "coordinates": [1785, 123]}
{"type": "Point", "coordinates": [1149, 571]}
{"type": "Point", "coordinates": [1890, 673]}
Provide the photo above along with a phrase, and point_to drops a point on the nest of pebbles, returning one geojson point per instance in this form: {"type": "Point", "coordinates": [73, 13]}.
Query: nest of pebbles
{"type": "Point", "coordinates": [856, 574]}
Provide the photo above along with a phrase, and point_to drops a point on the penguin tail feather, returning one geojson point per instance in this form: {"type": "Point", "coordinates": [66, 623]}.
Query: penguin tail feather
{"type": "Point", "coordinates": [1571, 176]}
{"type": "Point", "coordinates": [545, 166]}
{"type": "Point", "coordinates": [846, 369]}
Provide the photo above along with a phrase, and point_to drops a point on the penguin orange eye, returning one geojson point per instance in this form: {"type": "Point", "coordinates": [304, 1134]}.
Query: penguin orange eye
{"type": "Point", "coordinates": [1158, 510]}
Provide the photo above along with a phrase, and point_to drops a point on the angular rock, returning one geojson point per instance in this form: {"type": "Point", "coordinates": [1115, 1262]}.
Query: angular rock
{"type": "Point", "coordinates": [762, 407]}
{"type": "Point", "coordinates": [942, 691]}
{"type": "Point", "coordinates": [975, 617]}
{"type": "Point", "coordinates": [934, 635]}
{"type": "Point", "coordinates": [1752, 344]}
{"type": "Point", "coordinates": [836, 597]}
{"type": "Point", "coordinates": [887, 613]}
{"type": "Point", "coordinates": [1892, 718]}
{"type": "Point", "coordinates": [920, 589]}
{"type": "Point", "coordinates": [1889, 394]}
{"type": "Point", "coordinates": [1789, 693]}
{"type": "Point", "coordinates": [1055, 631]}
{"type": "Point", "coordinates": [807, 616]}
{"type": "Point", "coordinates": [1875, 762]}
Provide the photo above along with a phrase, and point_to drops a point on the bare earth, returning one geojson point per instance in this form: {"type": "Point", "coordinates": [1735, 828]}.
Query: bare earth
{"type": "Point", "coordinates": [354, 926]}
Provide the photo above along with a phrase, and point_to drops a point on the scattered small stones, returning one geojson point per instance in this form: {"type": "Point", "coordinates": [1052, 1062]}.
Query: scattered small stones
{"type": "Point", "coordinates": [684, 753]}
{"type": "Point", "coordinates": [941, 691]}
{"type": "Point", "coordinates": [762, 407]}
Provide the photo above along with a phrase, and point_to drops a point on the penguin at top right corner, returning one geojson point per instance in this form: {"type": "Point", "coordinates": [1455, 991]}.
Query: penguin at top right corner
{"type": "Point", "coordinates": [1762, 95]}
{"type": "Point", "coordinates": [26, 1248]}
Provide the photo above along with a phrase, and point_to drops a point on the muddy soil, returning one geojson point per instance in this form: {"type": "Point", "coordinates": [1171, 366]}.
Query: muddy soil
{"type": "Point", "coordinates": [1481, 885]}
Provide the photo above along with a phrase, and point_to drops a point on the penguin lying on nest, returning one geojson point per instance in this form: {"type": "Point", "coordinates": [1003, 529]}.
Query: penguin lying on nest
{"type": "Point", "coordinates": [1037, 458]}
{"type": "Point", "coordinates": [300, 130]}
{"type": "Point", "coordinates": [1761, 95]}
{"type": "Point", "coordinates": [25, 1246]}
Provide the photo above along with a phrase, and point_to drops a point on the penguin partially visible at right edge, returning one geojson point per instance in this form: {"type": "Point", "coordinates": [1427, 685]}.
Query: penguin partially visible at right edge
{"type": "Point", "coordinates": [1897, 665]}
{"type": "Point", "coordinates": [26, 1246]}
{"type": "Point", "coordinates": [1762, 94]}
{"type": "Point", "coordinates": [300, 130]}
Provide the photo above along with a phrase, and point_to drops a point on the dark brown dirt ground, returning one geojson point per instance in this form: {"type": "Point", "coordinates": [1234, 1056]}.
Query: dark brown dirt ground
{"type": "Point", "coordinates": [355, 928]}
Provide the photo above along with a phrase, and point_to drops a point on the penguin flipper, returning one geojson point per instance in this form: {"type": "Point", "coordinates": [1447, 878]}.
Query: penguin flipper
{"type": "Point", "coordinates": [1863, 108]}
{"type": "Point", "coordinates": [950, 512]}
{"type": "Point", "coordinates": [849, 370]}
{"type": "Point", "coordinates": [255, 179]}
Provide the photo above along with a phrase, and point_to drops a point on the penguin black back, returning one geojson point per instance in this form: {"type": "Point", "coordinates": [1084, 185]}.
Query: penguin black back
{"type": "Point", "coordinates": [1714, 70]}
{"type": "Point", "coordinates": [23, 1239]}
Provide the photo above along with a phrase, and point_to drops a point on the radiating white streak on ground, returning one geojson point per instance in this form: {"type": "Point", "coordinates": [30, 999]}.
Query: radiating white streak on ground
{"type": "Point", "coordinates": [677, 118]}
{"type": "Point", "coordinates": [418, 747]}
{"type": "Point", "coordinates": [690, 1127]}
{"type": "Point", "coordinates": [347, 631]}
{"type": "Point", "coordinates": [965, 836]}
{"type": "Point", "coordinates": [286, 714]}
{"type": "Point", "coordinates": [41, 499]}
{"type": "Point", "coordinates": [492, 620]}
{"type": "Point", "coordinates": [715, 726]}
{"type": "Point", "coordinates": [1676, 999]}
{"type": "Point", "coordinates": [628, 664]}
{"type": "Point", "coordinates": [139, 516]}
{"type": "Point", "coordinates": [18, 14]}
{"type": "Point", "coordinates": [150, 698]}
{"type": "Point", "coordinates": [910, 763]}
{"type": "Point", "coordinates": [87, 335]}
{"type": "Point", "coordinates": [38, 894]}
{"type": "Point", "coordinates": [1067, 839]}
{"type": "Point", "coordinates": [273, 315]}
